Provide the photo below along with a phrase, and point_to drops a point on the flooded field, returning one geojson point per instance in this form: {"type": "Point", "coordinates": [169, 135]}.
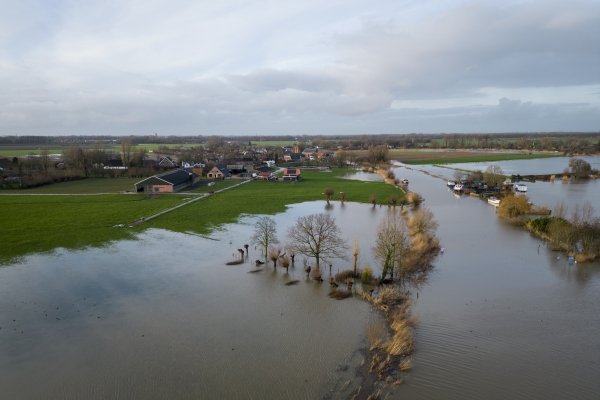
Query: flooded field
{"type": "Point", "coordinates": [163, 316]}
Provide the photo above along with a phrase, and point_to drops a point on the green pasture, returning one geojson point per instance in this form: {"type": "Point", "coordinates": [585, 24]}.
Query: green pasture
{"type": "Point", "coordinates": [449, 159]}
{"type": "Point", "coordinates": [264, 197]}
{"type": "Point", "coordinates": [273, 143]}
{"type": "Point", "coordinates": [21, 152]}
{"type": "Point", "coordinates": [41, 223]}
{"type": "Point", "coordinates": [83, 186]}
{"type": "Point", "coordinates": [218, 185]}
{"type": "Point", "coordinates": [27, 152]}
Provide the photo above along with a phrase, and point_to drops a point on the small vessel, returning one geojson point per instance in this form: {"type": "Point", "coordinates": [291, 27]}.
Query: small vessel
{"type": "Point", "coordinates": [520, 187]}
{"type": "Point", "coordinates": [405, 182]}
{"type": "Point", "coordinates": [459, 187]}
{"type": "Point", "coordinates": [451, 184]}
{"type": "Point", "coordinates": [493, 201]}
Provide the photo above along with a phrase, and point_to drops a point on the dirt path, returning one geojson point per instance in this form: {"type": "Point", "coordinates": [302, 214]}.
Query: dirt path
{"type": "Point", "coordinates": [200, 197]}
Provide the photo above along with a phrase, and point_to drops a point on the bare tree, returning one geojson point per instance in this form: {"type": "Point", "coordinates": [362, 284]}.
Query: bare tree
{"type": "Point", "coordinates": [318, 236]}
{"type": "Point", "coordinates": [391, 244]}
{"type": "Point", "coordinates": [493, 175]}
{"type": "Point", "coordinates": [422, 222]}
{"type": "Point", "coordinates": [265, 234]}
{"type": "Point", "coordinates": [126, 150]}
{"type": "Point", "coordinates": [560, 210]}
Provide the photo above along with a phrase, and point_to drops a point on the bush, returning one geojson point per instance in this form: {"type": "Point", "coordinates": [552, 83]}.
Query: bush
{"type": "Point", "coordinates": [514, 206]}
{"type": "Point", "coordinates": [539, 224]}
{"type": "Point", "coordinates": [366, 276]}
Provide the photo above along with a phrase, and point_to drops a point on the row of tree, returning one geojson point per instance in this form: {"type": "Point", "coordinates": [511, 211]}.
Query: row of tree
{"type": "Point", "coordinates": [405, 243]}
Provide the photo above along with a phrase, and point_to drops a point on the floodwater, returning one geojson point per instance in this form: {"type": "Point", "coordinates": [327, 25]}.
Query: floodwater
{"type": "Point", "coordinates": [502, 317]}
{"type": "Point", "coordinates": [538, 166]}
{"type": "Point", "coordinates": [364, 176]}
{"type": "Point", "coordinates": [163, 316]}
{"type": "Point", "coordinates": [548, 194]}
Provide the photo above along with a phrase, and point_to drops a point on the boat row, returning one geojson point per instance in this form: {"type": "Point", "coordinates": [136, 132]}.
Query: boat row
{"type": "Point", "coordinates": [459, 186]}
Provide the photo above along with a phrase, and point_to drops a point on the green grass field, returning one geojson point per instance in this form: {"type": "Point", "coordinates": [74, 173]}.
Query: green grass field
{"type": "Point", "coordinates": [277, 143]}
{"type": "Point", "coordinates": [449, 158]}
{"type": "Point", "coordinates": [39, 223]}
{"type": "Point", "coordinates": [83, 186]}
{"type": "Point", "coordinates": [261, 197]}
{"type": "Point", "coordinates": [26, 152]}
{"type": "Point", "coordinates": [217, 186]}
{"type": "Point", "coordinates": [42, 223]}
{"type": "Point", "coordinates": [17, 152]}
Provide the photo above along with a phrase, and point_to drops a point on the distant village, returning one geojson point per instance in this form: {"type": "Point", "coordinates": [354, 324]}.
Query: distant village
{"type": "Point", "coordinates": [167, 169]}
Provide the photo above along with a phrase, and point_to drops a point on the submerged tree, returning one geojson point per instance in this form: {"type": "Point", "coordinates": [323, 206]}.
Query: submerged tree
{"type": "Point", "coordinates": [391, 244]}
{"type": "Point", "coordinates": [265, 234]}
{"type": "Point", "coordinates": [328, 192]}
{"type": "Point", "coordinates": [579, 168]}
{"type": "Point", "coordinates": [318, 236]}
{"type": "Point", "coordinates": [373, 199]}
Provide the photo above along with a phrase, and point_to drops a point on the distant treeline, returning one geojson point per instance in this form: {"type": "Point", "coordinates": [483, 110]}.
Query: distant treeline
{"type": "Point", "coordinates": [569, 143]}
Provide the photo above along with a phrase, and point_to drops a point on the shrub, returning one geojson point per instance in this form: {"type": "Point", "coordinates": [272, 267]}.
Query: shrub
{"type": "Point", "coordinates": [539, 224]}
{"type": "Point", "coordinates": [367, 275]}
{"type": "Point", "coordinates": [514, 206]}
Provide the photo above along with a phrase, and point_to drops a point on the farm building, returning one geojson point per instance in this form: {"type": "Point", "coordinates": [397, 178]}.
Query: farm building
{"type": "Point", "coordinates": [291, 174]}
{"type": "Point", "coordinates": [218, 172]}
{"type": "Point", "coordinates": [168, 182]}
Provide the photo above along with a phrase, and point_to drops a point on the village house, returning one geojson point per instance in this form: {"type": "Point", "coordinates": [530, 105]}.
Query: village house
{"type": "Point", "coordinates": [265, 175]}
{"type": "Point", "coordinates": [168, 182]}
{"type": "Point", "coordinates": [218, 172]}
{"type": "Point", "coordinates": [167, 162]}
{"type": "Point", "coordinates": [291, 174]}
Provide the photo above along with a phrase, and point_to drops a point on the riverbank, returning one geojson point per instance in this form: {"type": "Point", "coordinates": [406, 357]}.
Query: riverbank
{"type": "Point", "coordinates": [578, 240]}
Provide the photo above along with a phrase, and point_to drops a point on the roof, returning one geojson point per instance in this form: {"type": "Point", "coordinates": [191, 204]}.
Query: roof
{"type": "Point", "coordinates": [291, 171]}
{"type": "Point", "coordinates": [175, 177]}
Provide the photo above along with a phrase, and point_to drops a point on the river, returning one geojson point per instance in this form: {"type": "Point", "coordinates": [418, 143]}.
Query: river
{"type": "Point", "coordinates": [163, 316]}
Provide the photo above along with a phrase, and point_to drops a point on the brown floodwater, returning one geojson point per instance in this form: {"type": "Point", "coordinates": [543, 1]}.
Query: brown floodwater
{"type": "Point", "coordinates": [163, 316]}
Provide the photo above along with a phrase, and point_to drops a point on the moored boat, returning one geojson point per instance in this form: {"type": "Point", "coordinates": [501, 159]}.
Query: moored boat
{"type": "Point", "coordinates": [493, 201]}
{"type": "Point", "coordinates": [451, 184]}
{"type": "Point", "coordinates": [520, 187]}
{"type": "Point", "coordinates": [459, 187]}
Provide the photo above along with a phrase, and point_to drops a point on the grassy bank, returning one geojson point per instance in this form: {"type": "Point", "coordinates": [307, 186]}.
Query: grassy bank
{"type": "Point", "coordinates": [42, 223]}
{"type": "Point", "coordinates": [262, 197]}
{"type": "Point", "coordinates": [37, 223]}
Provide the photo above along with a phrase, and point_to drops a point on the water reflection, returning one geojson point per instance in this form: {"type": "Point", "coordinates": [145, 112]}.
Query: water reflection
{"type": "Point", "coordinates": [164, 317]}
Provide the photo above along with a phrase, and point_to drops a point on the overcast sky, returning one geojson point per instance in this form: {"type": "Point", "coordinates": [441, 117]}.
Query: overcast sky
{"type": "Point", "coordinates": [298, 67]}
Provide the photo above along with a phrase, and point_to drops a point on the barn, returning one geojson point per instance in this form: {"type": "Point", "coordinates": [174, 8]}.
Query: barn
{"type": "Point", "coordinates": [168, 182]}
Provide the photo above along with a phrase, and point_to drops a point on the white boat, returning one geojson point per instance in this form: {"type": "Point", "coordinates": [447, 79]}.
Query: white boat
{"type": "Point", "coordinates": [405, 182]}
{"type": "Point", "coordinates": [520, 187]}
{"type": "Point", "coordinates": [451, 184]}
{"type": "Point", "coordinates": [494, 201]}
{"type": "Point", "coordinates": [458, 187]}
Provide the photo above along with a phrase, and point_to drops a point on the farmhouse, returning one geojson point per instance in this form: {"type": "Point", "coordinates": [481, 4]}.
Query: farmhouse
{"type": "Point", "coordinates": [291, 174]}
{"type": "Point", "coordinates": [168, 182]}
{"type": "Point", "coordinates": [218, 172]}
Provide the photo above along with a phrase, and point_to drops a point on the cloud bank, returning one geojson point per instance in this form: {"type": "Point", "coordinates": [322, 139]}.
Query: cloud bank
{"type": "Point", "coordinates": [239, 67]}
